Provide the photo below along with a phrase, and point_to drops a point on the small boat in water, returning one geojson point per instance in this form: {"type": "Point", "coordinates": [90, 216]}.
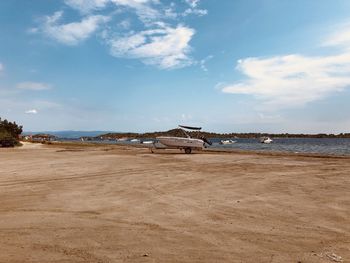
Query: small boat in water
{"type": "Point", "coordinates": [266, 140]}
{"type": "Point", "coordinates": [135, 140]}
{"type": "Point", "coordinates": [123, 139]}
{"type": "Point", "coordinates": [225, 142]}
{"type": "Point", "coordinates": [147, 142]}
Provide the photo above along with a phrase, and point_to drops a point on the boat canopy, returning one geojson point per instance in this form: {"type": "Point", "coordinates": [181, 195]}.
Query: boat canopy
{"type": "Point", "coordinates": [190, 128]}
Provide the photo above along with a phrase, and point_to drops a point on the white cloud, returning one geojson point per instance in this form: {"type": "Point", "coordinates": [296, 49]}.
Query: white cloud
{"type": "Point", "coordinates": [125, 24]}
{"type": "Point", "coordinates": [203, 62]}
{"type": "Point", "coordinates": [193, 10]}
{"type": "Point", "coordinates": [170, 13]}
{"type": "Point", "coordinates": [164, 47]}
{"type": "Point", "coordinates": [340, 38]}
{"type": "Point", "coordinates": [33, 30]}
{"type": "Point", "coordinates": [87, 6]}
{"type": "Point", "coordinates": [142, 8]}
{"type": "Point", "coordinates": [71, 33]}
{"type": "Point", "coordinates": [293, 80]}
{"type": "Point", "coordinates": [33, 111]}
{"type": "Point", "coordinates": [156, 41]}
{"type": "Point", "coordinates": [1, 67]}
{"type": "Point", "coordinates": [28, 85]}
{"type": "Point", "coordinates": [147, 11]}
{"type": "Point", "coordinates": [192, 3]}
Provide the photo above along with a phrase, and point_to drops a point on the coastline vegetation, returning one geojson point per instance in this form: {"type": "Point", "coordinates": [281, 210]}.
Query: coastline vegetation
{"type": "Point", "coordinates": [179, 133]}
{"type": "Point", "coordinates": [9, 133]}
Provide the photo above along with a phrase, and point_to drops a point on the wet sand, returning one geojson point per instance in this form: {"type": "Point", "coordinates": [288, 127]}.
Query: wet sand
{"type": "Point", "coordinates": [119, 204]}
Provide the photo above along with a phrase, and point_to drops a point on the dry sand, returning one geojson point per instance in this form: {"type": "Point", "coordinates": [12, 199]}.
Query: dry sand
{"type": "Point", "coordinates": [117, 204]}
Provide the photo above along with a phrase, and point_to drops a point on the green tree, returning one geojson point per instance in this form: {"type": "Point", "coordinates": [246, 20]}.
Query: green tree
{"type": "Point", "coordinates": [9, 132]}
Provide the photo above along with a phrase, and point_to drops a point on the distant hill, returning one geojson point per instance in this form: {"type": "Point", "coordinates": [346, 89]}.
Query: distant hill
{"type": "Point", "coordinates": [69, 134]}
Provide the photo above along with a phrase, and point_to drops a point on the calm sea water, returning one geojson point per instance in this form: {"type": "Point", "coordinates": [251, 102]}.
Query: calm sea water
{"type": "Point", "coordinates": [295, 145]}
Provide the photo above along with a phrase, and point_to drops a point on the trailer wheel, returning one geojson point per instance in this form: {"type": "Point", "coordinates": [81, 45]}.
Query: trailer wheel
{"type": "Point", "coordinates": [188, 150]}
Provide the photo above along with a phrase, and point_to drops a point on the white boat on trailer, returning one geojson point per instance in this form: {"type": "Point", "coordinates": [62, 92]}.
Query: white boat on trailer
{"type": "Point", "coordinates": [183, 143]}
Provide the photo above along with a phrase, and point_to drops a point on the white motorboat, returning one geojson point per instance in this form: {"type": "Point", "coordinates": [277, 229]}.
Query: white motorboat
{"type": "Point", "coordinates": [135, 140]}
{"type": "Point", "coordinates": [147, 142]}
{"type": "Point", "coordinates": [225, 142]}
{"type": "Point", "coordinates": [183, 143]}
{"type": "Point", "coordinates": [266, 140]}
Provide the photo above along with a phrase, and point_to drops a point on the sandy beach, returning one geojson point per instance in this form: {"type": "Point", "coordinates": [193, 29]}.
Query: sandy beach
{"type": "Point", "coordinates": [62, 203]}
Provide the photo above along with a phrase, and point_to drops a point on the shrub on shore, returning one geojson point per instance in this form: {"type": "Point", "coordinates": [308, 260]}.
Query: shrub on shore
{"type": "Point", "coordinates": [9, 133]}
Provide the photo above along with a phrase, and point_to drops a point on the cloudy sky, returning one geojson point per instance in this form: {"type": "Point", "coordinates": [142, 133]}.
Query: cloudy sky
{"type": "Point", "coordinates": [143, 65]}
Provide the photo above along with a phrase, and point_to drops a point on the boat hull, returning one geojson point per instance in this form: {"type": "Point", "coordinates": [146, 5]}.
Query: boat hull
{"type": "Point", "coordinates": [181, 143]}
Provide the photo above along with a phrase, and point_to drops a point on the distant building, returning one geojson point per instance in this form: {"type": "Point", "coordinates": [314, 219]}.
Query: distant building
{"type": "Point", "coordinates": [43, 137]}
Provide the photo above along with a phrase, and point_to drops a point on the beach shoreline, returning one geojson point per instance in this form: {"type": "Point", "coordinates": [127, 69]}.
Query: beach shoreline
{"type": "Point", "coordinates": [66, 202]}
{"type": "Point", "coordinates": [204, 151]}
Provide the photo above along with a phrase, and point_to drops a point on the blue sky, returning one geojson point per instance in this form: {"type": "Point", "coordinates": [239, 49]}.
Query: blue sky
{"type": "Point", "coordinates": [144, 65]}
